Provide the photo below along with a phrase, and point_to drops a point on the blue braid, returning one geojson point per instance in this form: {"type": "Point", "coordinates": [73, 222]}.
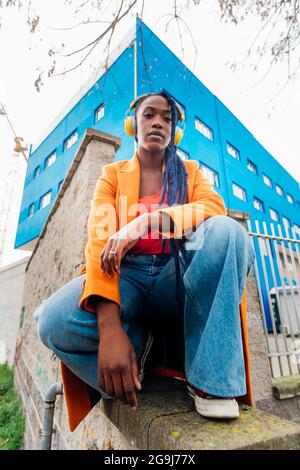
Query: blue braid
{"type": "Point", "coordinates": [175, 177]}
{"type": "Point", "coordinates": [175, 180]}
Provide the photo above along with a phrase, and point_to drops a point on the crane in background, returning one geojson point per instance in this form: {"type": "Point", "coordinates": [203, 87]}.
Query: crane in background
{"type": "Point", "coordinates": [10, 181]}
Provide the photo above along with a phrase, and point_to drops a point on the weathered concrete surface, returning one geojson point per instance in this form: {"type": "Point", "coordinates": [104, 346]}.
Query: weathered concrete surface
{"type": "Point", "coordinates": [166, 420]}
{"type": "Point", "coordinates": [254, 429]}
{"type": "Point", "coordinates": [286, 387]}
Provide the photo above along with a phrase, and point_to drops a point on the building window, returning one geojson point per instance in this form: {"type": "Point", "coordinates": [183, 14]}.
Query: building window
{"type": "Point", "coordinates": [274, 215]}
{"type": "Point", "coordinates": [286, 222]}
{"type": "Point", "coordinates": [99, 113]}
{"type": "Point", "coordinates": [50, 160]}
{"type": "Point", "coordinates": [31, 210]}
{"type": "Point", "coordinates": [204, 129]}
{"type": "Point", "coordinates": [252, 167]}
{"type": "Point", "coordinates": [233, 151]}
{"type": "Point", "coordinates": [279, 190]}
{"type": "Point", "coordinates": [268, 181]}
{"type": "Point", "coordinates": [45, 200]}
{"type": "Point", "coordinates": [290, 198]}
{"type": "Point", "coordinates": [182, 154]}
{"type": "Point", "coordinates": [258, 204]}
{"type": "Point", "coordinates": [71, 140]}
{"type": "Point", "coordinates": [239, 192]}
{"type": "Point", "coordinates": [296, 229]}
{"type": "Point", "coordinates": [210, 174]}
{"type": "Point", "coordinates": [36, 172]}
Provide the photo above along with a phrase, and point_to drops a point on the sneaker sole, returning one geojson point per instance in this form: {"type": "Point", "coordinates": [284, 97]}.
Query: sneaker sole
{"type": "Point", "coordinates": [209, 408]}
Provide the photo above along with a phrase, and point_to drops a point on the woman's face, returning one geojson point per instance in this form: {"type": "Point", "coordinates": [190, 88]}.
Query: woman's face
{"type": "Point", "coordinates": [153, 120]}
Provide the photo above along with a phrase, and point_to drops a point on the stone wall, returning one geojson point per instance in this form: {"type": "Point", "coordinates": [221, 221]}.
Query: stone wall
{"type": "Point", "coordinates": [57, 257]}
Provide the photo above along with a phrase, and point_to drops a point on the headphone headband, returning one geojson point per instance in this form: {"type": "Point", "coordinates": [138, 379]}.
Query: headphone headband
{"type": "Point", "coordinates": [179, 109]}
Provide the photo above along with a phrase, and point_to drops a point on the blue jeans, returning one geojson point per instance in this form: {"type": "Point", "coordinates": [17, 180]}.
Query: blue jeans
{"type": "Point", "coordinates": [214, 266]}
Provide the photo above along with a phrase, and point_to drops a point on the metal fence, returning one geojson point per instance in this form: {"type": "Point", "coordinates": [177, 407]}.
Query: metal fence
{"type": "Point", "coordinates": [277, 275]}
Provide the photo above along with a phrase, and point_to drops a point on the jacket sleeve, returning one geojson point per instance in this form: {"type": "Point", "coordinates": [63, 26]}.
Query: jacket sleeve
{"type": "Point", "coordinates": [205, 203]}
{"type": "Point", "coordinates": [102, 223]}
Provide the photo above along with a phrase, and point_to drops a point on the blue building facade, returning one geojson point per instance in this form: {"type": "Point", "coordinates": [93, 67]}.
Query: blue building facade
{"type": "Point", "coordinates": [101, 105]}
{"type": "Point", "coordinates": [241, 170]}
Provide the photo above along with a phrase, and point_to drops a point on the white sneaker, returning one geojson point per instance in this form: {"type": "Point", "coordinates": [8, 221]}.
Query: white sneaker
{"type": "Point", "coordinates": [212, 407]}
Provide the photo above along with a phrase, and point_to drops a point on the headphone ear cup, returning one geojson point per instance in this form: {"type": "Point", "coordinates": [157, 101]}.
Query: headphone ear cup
{"type": "Point", "coordinates": [130, 127]}
{"type": "Point", "coordinates": [178, 135]}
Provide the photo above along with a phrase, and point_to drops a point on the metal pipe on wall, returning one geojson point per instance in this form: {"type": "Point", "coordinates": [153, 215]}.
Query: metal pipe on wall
{"type": "Point", "coordinates": [48, 415]}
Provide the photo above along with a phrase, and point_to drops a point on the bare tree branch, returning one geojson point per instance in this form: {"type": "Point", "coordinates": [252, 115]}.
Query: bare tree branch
{"type": "Point", "coordinates": [276, 40]}
{"type": "Point", "coordinates": [94, 43]}
{"type": "Point", "coordinates": [279, 47]}
{"type": "Point", "coordinates": [76, 25]}
{"type": "Point", "coordinates": [111, 26]}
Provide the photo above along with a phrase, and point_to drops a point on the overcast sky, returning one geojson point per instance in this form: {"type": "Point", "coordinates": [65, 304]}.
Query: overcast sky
{"type": "Point", "coordinates": [272, 120]}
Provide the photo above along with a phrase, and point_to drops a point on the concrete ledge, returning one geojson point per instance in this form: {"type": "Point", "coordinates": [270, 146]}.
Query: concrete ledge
{"type": "Point", "coordinates": [286, 387]}
{"type": "Point", "coordinates": [167, 420]}
{"type": "Point", "coordinates": [238, 215]}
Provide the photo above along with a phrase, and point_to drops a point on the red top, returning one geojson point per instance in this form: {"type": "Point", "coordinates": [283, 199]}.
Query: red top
{"type": "Point", "coordinates": [151, 242]}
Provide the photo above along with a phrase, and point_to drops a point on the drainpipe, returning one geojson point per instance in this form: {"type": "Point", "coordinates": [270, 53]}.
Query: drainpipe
{"type": "Point", "coordinates": [49, 401]}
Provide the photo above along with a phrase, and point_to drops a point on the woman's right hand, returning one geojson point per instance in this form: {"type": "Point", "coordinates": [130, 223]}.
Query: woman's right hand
{"type": "Point", "coordinates": [117, 365]}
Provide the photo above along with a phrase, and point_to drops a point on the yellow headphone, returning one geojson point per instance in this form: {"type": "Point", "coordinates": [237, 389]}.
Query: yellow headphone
{"type": "Point", "coordinates": [130, 122]}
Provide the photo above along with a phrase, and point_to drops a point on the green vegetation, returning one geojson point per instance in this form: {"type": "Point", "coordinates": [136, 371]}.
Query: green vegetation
{"type": "Point", "coordinates": [12, 421]}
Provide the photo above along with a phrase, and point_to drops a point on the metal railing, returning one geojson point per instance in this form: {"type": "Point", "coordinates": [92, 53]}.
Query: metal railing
{"type": "Point", "coordinates": [277, 275]}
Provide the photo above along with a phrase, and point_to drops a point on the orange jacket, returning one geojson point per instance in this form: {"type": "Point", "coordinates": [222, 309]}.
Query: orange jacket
{"type": "Point", "coordinates": [118, 180]}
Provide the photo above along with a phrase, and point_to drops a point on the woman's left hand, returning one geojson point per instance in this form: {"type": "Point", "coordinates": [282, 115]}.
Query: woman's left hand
{"type": "Point", "coordinates": [120, 242]}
